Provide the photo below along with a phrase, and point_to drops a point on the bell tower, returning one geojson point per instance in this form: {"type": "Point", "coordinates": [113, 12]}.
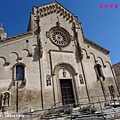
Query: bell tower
{"type": "Point", "coordinates": [3, 34]}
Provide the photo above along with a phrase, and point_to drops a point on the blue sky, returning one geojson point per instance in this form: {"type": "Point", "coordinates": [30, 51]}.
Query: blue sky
{"type": "Point", "coordinates": [101, 25]}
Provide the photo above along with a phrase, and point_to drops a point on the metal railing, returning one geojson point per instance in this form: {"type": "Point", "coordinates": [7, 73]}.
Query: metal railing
{"type": "Point", "coordinates": [103, 110]}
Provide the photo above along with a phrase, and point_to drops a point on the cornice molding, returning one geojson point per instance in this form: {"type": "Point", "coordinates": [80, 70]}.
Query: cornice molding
{"type": "Point", "coordinates": [54, 7]}
{"type": "Point", "coordinates": [96, 46]}
{"type": "Point", "coordinates": [17, 37]}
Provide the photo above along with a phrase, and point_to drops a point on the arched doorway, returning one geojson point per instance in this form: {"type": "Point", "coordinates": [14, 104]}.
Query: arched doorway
{"type": "Point", "coordinates": [65, 84]}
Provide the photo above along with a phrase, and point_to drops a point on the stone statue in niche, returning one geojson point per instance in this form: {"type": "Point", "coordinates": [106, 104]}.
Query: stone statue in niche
{"type": "Point", "coordinates": [48, 80]}
{"type": "Point", "coordinates": [81, 79]}
{"type": "Point", "coordinates": [6, 99]}
{"type": "Point", "coordinates": [112, 91]}
{"type": "Point", "coordinates": [64, 73]}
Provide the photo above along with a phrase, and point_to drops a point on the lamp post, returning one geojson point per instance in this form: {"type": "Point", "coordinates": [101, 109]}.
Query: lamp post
{"type": "Point", "coordinates": [17, 96]}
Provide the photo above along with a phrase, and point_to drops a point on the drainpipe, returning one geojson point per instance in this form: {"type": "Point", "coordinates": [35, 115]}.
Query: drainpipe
{"type": "Point", "coordinates": [17, 96]}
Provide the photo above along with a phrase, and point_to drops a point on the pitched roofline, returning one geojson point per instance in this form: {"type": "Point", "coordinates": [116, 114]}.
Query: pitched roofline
{"type": "Point", "coordinates": [50, 8]}
{"type": "Point", "coordinates": [12, 38]}
{"type": "Point", "coordinates": [54, 3]}
{"type": "Point", "coordinates": [98, 47]}
{"type": "Point", "coordinates": [57, 3]}
{"type": "Point", "coordinates": [44, 4]}
{"type": "Point", "coordinates": [116, 64]}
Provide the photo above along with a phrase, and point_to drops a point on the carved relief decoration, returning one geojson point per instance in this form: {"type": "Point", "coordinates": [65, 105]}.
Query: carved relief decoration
{"type": "Point", "coordinates": [5, 97]}
{"type": "Point", "coordinates": [55, 8]}
{"type": "Point", "coordinates": [59, 36]}
{"type": "Point", "coordinates": [64, 73]}
{"type": "Point", "coordinates": [48, 80]}
{"type": "Point", "coordinates": [81, 79]}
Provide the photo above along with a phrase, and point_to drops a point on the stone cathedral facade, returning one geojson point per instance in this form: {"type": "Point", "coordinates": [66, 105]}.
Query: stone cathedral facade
{"type": "Point", "coordinates": [53, 63]}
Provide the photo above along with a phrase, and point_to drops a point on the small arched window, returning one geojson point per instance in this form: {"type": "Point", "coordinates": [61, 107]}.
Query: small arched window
{"type": "Point", "coordinates": [19, 72]}
{"type": "Point", "coordinates": [98, 70]}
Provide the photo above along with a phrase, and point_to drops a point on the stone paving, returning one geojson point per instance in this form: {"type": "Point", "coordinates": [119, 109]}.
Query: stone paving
{"type": "Point", "coordinates": [111, 113]}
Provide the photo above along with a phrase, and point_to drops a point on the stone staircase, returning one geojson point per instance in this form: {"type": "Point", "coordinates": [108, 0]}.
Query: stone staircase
{"type": "Point", "coordinates": [110, 111]}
